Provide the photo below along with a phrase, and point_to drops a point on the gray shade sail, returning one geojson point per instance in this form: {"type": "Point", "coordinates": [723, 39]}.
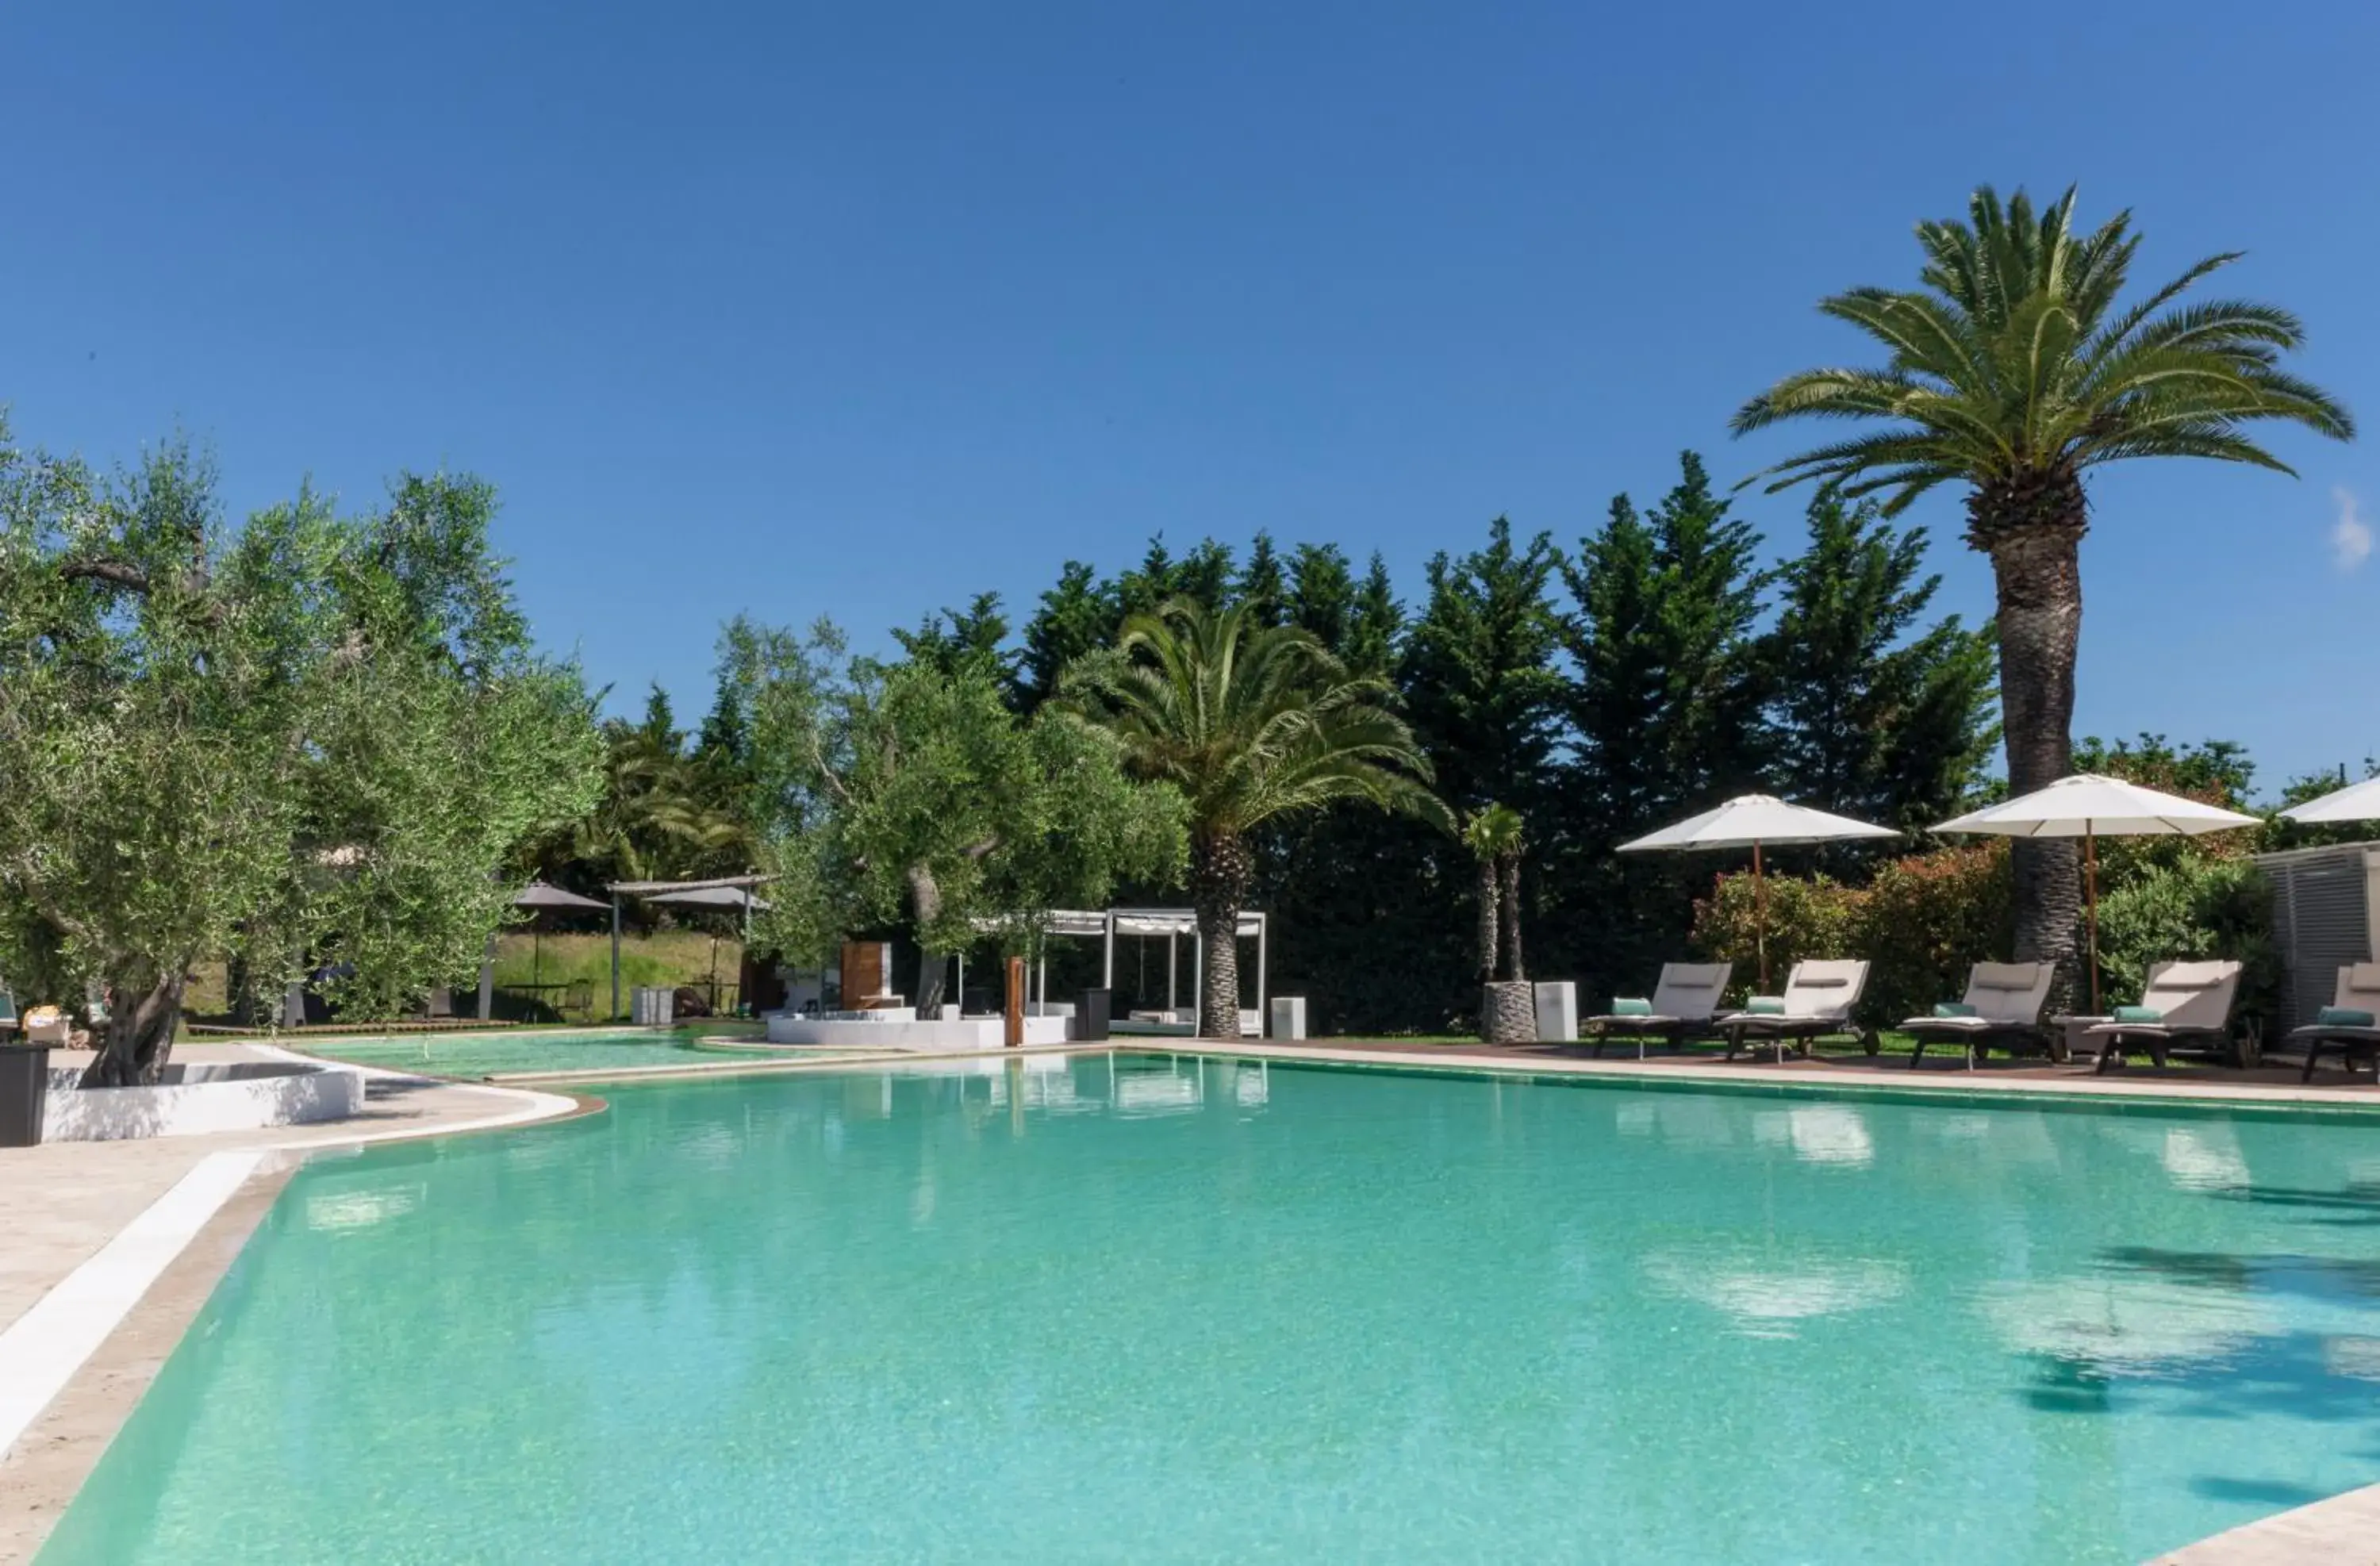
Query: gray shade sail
{"type": "Point", "coordinates": [712, 897]}
{"type": "Point", "coordinates": [537, 894]}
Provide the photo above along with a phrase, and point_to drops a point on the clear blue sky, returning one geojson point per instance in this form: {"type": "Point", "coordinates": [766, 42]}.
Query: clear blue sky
{"type": "Point", "coordinates": [855, 310]}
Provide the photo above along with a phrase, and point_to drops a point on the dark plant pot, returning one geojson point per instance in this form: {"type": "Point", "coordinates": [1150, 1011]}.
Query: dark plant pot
{"type": "Point", "coordinates": [1508, 1012]}
{"type": "Point", "coordinates": [24, 1090]}
{"type": "Point", "coordinates": [1092, 1009]}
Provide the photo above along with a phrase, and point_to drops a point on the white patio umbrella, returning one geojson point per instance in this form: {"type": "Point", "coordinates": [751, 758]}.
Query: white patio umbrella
{"type": "Point", "coordinates": [2357, 802]}
{"type": "Point", "coordinates": [2091, 807]}
{"type": "Point", "coordinates": [1755, 820]}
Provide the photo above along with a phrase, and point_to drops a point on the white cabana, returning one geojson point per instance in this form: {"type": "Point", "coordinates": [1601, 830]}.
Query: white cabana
{"type": "Point", "coordinates": [1753, 822]}
{"type": "Point", "coordinates": [2091, 807]}
{"type": "Point", "coordinates": [2357, 802]}
{"type": "Point", "coordinates": [1168, 924]}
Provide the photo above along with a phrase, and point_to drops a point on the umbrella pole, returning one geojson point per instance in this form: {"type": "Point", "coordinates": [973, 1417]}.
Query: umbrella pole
{"type": "Point", "coordinates": [2091, 901]}
{"type": "Point", "coordinates": [1760, 918]}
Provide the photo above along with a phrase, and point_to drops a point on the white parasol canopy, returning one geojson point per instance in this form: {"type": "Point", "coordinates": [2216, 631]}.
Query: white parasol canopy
{"type": "Point", "coordinates": [2091, 807]}
{"type": "Point", "coordinates": [1755, 820]}
{"type": "Point", "coordinates": [2087, 805]}
{"type": "Point", "coordinates": [2357, 802]}
{"type": "Point", "coordinates": [1750, 820]}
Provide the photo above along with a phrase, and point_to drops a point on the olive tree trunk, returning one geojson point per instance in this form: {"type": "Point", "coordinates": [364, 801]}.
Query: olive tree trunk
{"type": "Point", "coordinates": [2039, 575]}
{"type": "Point", "coordinates": [141, 1021]}
{"type": "Point", "coordinates": [1220, 870]}
{"type": "Point", "coordinates": [933, 967]}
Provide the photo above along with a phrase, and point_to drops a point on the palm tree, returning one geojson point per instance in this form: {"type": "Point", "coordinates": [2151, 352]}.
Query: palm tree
{"type": "Point", "coordinates": [2011, 371]}
{"type": "Point", "coordinates": [1249, 722]}
{"type": "Point", "coordinates": [1493, 835]}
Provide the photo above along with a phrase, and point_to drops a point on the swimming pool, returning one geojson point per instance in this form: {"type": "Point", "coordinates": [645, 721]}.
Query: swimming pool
{"type": "Point", "coordinates": [1203, 1309]}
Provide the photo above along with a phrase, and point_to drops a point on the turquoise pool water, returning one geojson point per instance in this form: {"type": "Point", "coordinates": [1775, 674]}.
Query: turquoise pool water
{"type": "Point", "coordinates": [1185, 1310]}
{"type": "Point", "coordinates": [480, 1054]}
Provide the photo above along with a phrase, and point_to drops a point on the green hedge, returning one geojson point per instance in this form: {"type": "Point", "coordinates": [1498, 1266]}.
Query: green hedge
{"type": "Point", "coordinates": [1923, 919]}
{"type": "Point", "coordinates": [1921, 922]}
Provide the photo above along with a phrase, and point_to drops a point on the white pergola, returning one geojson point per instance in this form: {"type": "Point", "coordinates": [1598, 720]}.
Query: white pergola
{"type": "Point", "coordinates": [1105, 925]}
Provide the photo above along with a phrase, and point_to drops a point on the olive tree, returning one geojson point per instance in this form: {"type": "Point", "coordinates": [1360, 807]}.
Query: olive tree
{"type": "Point", "coordinates": [914, 792]}
{"type": "Point", "coordinates": [306, 740]}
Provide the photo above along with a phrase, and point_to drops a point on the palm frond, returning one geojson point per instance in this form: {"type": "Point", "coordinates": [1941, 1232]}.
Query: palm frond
{"type": "Point", "coordinates": [2013, 358]}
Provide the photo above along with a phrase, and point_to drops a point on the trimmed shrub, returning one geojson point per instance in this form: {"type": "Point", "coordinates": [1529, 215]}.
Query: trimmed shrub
{"type": "Point", "coordinates": [1816, 916]}
{"type": "Point", "coordinates": [2199, 908]}
{"type": "Point", "coordinates": [1919, 922]}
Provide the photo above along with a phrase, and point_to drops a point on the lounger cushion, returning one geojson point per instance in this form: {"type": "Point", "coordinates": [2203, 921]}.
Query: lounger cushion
{"type": "Point", "coordinates": [1629, 1006]}
{"type": "Point", "coordinates": [1764, 1006]}
{"type": "Point", "coordinates": [2138, 1014]}
{"type": "Point", "coordinates": [2342, 1016]}
{"type": "Point", "coordinates": [1953, 1009]}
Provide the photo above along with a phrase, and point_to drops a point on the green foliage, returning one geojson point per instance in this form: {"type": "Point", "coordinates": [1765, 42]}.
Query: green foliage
{"type": "Point", "coordinates": [973, 641]}
{"type": "Point", "coordinates": [1874, 714]}
{"type": "Point", "coordinates": [1808, 917]}
{"type": "Point", "coordinates": [914, 792]}
{"type": "Point", "coordinates": [2216, 772]}
{"type": "Point", "coordinates": [1248, 721]}
{"type": "Point", "coordinates": [1261, 584]}
{"type": "Point", "coordinates": [2014, 359]}
{"type": "Point", "coordinates": [307, 739]}
{"type": "Point", "coordinates": [2194, 909]}
{"type": "Point", "coordinates": [1480, 678]}
{"type": "Point", "coordinates": [1666, 713]}
{"type": "Point", "coordinates": [1668, 701]}
{"type": "Point", "coordinates": [1921, 921]}
{"type": "Point", "coordinates": [1251, 724]}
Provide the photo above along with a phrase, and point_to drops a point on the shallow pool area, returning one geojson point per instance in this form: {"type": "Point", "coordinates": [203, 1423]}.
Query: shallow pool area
{"type": "Point", "coordinates": [1187, 1309]}
{"type": "Point", "coordinates": [490, 1055]}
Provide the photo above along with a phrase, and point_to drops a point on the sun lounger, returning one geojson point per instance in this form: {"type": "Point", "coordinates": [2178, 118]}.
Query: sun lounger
{"type": "Point", "coordinates": [2002, 1006]}
{"type": "Point", "coordinates": [2359, 990]}
{"type": "Point", "coordinates": [9, 1019]}
{"type": "Point", "coordinates": [1683, 1006]}
{"type": "Point", "coordinates": [1817, 1002]}
{"type": "Point", "coordinates": [2191, 1002]}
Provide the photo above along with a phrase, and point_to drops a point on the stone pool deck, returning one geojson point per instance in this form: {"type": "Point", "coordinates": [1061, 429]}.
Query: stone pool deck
{"type": "Point", "coordinates": [82, 1209]}
{"type": "Point", "coordinates": [113, 1247]}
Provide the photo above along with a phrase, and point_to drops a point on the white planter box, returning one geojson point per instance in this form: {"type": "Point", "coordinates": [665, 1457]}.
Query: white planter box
{"type": "Point", "coordinates": [1558, 1012]}
{"type": "Point", "coordinates": [196, 1100]}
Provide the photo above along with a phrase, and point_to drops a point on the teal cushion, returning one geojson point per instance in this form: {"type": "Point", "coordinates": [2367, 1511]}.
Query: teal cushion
{"type": "Point", "coordinates": [1765, 1006]}
{"type": "Point", "coordinates": [1629, 1006]}
{"type": "Point", "coordinates": [2342, 1016]}
{"type": "Point", "coordinates": [1953, 1009]}
{"type": "Point", "coordinates": [2138, 1014]}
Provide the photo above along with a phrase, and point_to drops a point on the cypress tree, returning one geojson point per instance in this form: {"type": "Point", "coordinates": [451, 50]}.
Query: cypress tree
{"type": "Point", "coordinates": [1874, 714]}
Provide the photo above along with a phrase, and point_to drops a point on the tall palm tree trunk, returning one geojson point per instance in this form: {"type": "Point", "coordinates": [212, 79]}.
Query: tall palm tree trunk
{"type": "Point", "coordinates": [1509, 868]}
{"type": "Point", "coordinates": [1490, 893]}
{"type": "Point", "coordinates": [2039, 572]}
{"type": "Point", "coordinates": [1220, 870]}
